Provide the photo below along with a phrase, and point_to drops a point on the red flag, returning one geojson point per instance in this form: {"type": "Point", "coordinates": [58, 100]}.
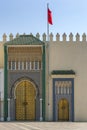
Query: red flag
{"type": "Point", "coordinates": [49, 16]}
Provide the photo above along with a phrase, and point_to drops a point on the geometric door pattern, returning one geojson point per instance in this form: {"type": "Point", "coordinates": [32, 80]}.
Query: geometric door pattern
{"type": "Point", "coordinates": [25, 101]}
{"type": "Point", "coordinates": [63, 110]}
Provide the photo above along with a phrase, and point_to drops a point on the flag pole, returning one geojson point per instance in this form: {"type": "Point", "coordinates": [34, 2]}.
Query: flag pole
{"type": "Point", "coordinates": [48, 58]}
{"type": "Point", "coordinates": [47, 23]}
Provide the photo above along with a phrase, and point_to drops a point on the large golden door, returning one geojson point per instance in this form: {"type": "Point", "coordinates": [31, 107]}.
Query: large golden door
{"type": "Point", "coordinates": [63, 110]}
{"type": "Point", "coordinates": [25, 101]}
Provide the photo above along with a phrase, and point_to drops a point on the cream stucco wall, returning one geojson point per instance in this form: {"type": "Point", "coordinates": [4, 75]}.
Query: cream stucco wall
{"type": "Point", "coordinates": [1, 94]}
{"type": "Point", "coordinates": [66, 56]}
{"type": "Point", "coordinates": [1, 55]}
{"type": "Point", "coordinates": [1, 83]}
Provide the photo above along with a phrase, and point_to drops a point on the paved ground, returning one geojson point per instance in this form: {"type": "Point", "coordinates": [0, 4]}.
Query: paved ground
{"type": "Point", "coordinates": [42, 126]}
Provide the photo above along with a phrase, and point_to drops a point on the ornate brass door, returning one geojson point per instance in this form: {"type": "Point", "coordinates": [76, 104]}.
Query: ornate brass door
{"type": "Point", "coordinates": [25, 101]}
{"type": "Point", "coordinates": [63, 110]}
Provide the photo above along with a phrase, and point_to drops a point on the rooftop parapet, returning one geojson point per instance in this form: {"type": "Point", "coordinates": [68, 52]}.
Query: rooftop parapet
{"type": "Point", "coordinates": [84, 37]}
{"type": "Point", "coordinates": [70, 37]}
{"type": "Point", "coordinates": [4, 37]}
{"type": "Point", "coordinates": [11, 36]}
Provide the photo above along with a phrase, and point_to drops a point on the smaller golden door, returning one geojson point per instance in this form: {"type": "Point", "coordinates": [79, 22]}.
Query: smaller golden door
{"type": "Point", "coordinates": [63, 110]}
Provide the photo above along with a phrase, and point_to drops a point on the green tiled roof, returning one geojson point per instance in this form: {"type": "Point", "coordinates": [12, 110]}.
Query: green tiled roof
{"type": "Point", "coordinates": [62, 72]}
{"type": "Point", "coordinates": [25, 40]}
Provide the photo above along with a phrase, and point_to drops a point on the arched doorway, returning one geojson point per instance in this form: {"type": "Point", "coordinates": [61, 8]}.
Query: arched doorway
{"type": "Point", "coordinates": [25, 94]}
{"type": "Point", "coordinates": [63, 110]}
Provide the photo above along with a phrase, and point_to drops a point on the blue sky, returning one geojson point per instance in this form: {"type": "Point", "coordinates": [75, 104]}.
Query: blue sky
{"type": "Point", "coordinates": [30, 16]}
